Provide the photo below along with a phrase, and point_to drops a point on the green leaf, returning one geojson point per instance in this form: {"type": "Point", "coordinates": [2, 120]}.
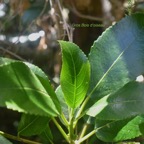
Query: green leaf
{"type": "Point", "coordinates": [117, 57]}
{"type": "Point", "coordinates": [142, 128]}
{"type": "Point", "coordinates": [63, 104]}
{"type": "Point", "coordinates": [23, 91]}
{"type": "Point", "coordinates": [127, 102]}
{"type": "Point", "coordinates": [46, 135]}
{"type": "Point", "coordinates": [3, 140]}
{"type": "Point", "coordinates": [32, 125]}
{"type": "Point", "coordinates": [114, 131]}
{"type": "Point", "coordinates": [129, 142]}
{"type": "Point", "coordinates": [6, 61]}
{"type": "Point", "coordinates": [36, 70]}
{"type": "Point", "coordinates": [75, 74]}
{"type": "Point", "coordinates": [45, 81]}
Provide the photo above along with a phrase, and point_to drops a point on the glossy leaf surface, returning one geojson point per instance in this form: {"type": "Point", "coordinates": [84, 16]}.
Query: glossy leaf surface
{"type": "Point", "coordinates": [24, 91]}
{"type": "Point", "coordinates": [45, 81]}
{"type": "Point", "coordinates": [75, 74]}
{"type": "Point", "coordinates": [117, 57]}
{"type": "Point", "coordinates": [125, 103]}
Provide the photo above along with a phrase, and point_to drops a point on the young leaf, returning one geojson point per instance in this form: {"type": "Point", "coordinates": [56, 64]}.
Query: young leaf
{"type": "Point", "coordinates": [32, 125]}
{"type": "Point", "coordinates": [115, 131]}
{"type": "Point", "coordinates": [117, 56]}
{"type": "Point", "coordinates": [125, 103]}
{"type": "Point", "coordinates": [75, 74]}
{"type": "Point", "coordinates": [23, 91]}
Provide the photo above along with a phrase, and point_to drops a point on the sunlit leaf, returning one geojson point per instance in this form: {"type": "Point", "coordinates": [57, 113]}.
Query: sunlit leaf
{"type": "Point", "coordinates": [75, 74]}
{"type": "Point", "coordinates": [26, 92]}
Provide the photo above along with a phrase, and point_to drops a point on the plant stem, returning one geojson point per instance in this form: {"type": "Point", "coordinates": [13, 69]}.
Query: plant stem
{"type": "Point", "coordinates": [64, 119]}
{"type": "Point", "coordinates": [78, 115]}
{"type": "Point", "coordinates": [83, 130]}
{"type": "Point", "coordinates": [91, 133]}
{"type": "Point", "coordinates": [86, 137]}
{"type": "Point", "coordinates": [18, 138]}
{"type": "Point", "coordinates": [82, 106]}
{"type": "Point", "coordinates": [71, 126]}
{"type": "Point", "coordinates": [61, 130]}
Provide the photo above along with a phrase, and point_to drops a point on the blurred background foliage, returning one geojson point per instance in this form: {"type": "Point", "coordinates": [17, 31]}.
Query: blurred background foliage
{"type": "Point", "coordinates": [29, 30]}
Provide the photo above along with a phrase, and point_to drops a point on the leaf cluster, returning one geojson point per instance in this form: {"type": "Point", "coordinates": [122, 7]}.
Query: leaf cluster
{"type": "Point", "coordinates": [102, 91]}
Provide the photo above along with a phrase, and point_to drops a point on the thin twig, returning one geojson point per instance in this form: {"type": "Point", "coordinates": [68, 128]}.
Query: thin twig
{"type": "Point", "coordinates": [85, 127]}
{"type": "Point", "coordinates": [5, 45]}
{"type": "Point", "coordinates": [11, 17]}
{"type": "Point", "coordinates": [45, 6]}
{"type": "Point", "coordinates": [18, 138]}
{"type": "Point", "coordinates": [79, 14]}
{"type": "Point", "coordinates": [69, 30]}
{"type": "Point", "coordinates": [12, 54]}
{"type": "Point", "coordinates": [86, 137]}
{"type": "Point", "coordinates": [34, 21]}
{"type": "Point", "coordinates": [61, 129]}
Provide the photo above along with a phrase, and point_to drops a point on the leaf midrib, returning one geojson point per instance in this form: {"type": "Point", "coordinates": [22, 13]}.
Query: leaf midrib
{"type": "Point", "coordinates": [26, 88]}
{"type": "Point", "coordinates": [29, 124]}
{"type": "Point", "coordinates": [112, 65]}
{"type": "Point", "coordinates": [75, 81]}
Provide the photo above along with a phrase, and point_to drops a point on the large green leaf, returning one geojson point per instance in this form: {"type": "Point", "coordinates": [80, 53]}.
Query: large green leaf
{"type": "Point", "coordinates": [127, 102]}
{"type": "Point", "coordinates": [32, 125]}
{"type": "Point", "coordinates": [117, 56]}
{"type": "Point", "coordinates": [45, 81]}
{"type": "Point", "coordinates": [75, 74]}
{"type": "Point", "coordinates": [114, 131]}
{"type": "Point", "coordinates": [22, 90]}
